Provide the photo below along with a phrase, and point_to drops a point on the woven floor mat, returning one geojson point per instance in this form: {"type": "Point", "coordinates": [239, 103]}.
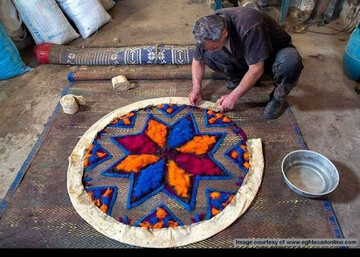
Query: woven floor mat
{"type": "Point", "coordinates": [39, 213]}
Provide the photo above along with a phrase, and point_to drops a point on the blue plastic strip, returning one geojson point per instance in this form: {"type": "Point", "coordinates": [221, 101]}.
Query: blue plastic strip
{"type": "Point", "coordinates": [32, 154]}
{"type": "Point", "coordinates": [71, 76]}
{"type": "Point", "coordinates": [284, 9]}
{"type": "Point", "coordinates": [218, 4]}
{"type": "Point", "coordinates": [335, 226]}
{"type": "Point", "coordinates": [333, 220]}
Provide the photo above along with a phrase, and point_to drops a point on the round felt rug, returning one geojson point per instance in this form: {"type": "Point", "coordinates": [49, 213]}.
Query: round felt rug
{"type": "Point", "coordinates": [161, 173]}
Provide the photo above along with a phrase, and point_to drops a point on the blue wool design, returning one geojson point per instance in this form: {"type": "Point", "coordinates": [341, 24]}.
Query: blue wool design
{"type": "Point", "coordinates": [105, 200]}
{"type": "Point", "coordinates": [166, 221]}
{"type": "Point", "coordinates": [149, 178]}
{"type": "Point", "coordinates": [94, 159]}
{"type": "Point", "coordinates": [153, 220]}
{"type": "Point", "coordinates": [149, 182]}
{"type": "Point", "coordinates": [120, 123]}
{"type": "Point", "coordinates": [98, 194]}
{"type": "Point", "coordinates": [224, 197]}
{"type": "Point", "coordinates": [216, 203]}
{"type": "Point", "coordinates": [240, 158]}
{"type": "Point", "coordinates": [181, 132]}
{"type": "Point", "coordinates": [196, 217]}
{"type": "Point", "coordinates": [175, 109]}
{"type": "Point", "coordinates": [95, 149]}
{"type": "Point", "coordinates": [239, 161]}
{"type": "Point", "coordinates": [218, 123]}
{"type": "Point", "coordinates": [87, 179]}
{"type": "Point", "coordinates": [170, 216]}
{"type": "Point", "coordinates": [125, 219]}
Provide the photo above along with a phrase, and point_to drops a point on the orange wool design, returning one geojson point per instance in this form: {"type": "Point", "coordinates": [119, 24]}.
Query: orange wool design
{"type": "Point", "coordinates": [228, 201]}
{"type": "Point", "coordinates": [134, 163]}
{"type": "Point", "coordinates": [243, 147]}
{"type": "Point", "coordinates": [246, 165]}
{"type": "Point", "coordinates": [246, 156]}
{"type": "Point", "coordinates": [97, 202]}
{"type": "Point", "coordinates": [178, 179]}
{"type": "Point", "coordinates": [214, 211]}
{"type": "Point", "coordinates": [86, 163]}
{"type": "Point", "coordinates": [160, 213]}
{"type": "Point", "coordinates": [124, 119]}
{"type": "Point", "coordinates": [198, 145]}
{"type": "Point", "coordinates": [215, 195]}
{"type": "Point", "coordinates": [91, 194]}
{"type": "Point", "coordinates": [104, 208]}
{"type": "Point", "coordinates": [173, 224]}
{"type": "Point", "coordinates": [234, 154]}
{"type": "Point", "coordinates": [230, 198]}
{"type": "Point", "coordinates": [145, 224]}
{"type": "Point", "coordinates": [88, 155]}
{"type": "Point", "coordinates": [160, 224]}
{"type": "Point", "coordinates": [218, 115]}
{"type": "Point", "coordinates": [212, 120]}
{"type": "Point", "coordinates": [226, 120]}
{"type": "Point", "coordinates": [107, 192]}
{"type": "Point", "coordinates": [157, 132]}
{"type": "Point", "coordinates": [100, 154]}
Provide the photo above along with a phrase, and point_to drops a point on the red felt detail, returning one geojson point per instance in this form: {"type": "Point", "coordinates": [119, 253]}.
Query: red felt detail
{"type": "Point", "coordinates": [197, 166]}
{"type": "Point", "coordinates": [138, 144]}
{"type": "Point", "coordinates": [42, 52]}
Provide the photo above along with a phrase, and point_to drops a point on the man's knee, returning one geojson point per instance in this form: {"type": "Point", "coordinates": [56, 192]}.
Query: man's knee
{"type": "Point", "coordinates": [223, 63]}
{"type": "Point", "coordinates": [287, 66]}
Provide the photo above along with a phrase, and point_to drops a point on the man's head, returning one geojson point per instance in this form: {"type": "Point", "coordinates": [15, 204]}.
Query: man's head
{"type": "Point", "coordinates": [211, 32]}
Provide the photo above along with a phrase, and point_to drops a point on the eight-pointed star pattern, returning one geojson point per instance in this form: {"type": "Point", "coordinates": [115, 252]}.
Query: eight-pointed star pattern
{"type": "Point", "coordinates": [167, 158]}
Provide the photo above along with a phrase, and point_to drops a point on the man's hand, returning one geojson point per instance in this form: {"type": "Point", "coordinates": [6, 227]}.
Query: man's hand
{"type": "Point", "coordinates": [195, 97]}
{"type": "Point", "coordinates": [227, 102]}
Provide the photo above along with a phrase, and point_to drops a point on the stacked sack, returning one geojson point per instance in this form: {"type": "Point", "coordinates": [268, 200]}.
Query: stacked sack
{"type": "Point", "coordinates": [13, 24]}
{"type": "Point", "coordinates": [11, 64]}
{"type": "Point", "coordinates": [87, 15]}
{"type": "Point", "coordinates": [47, 20]}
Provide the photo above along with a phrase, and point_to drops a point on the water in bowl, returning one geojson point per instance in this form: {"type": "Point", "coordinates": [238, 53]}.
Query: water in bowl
{"type": "Point", "coordinates": [307, 178]}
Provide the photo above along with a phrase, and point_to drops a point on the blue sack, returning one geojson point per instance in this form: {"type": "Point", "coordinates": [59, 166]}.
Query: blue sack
{"type": "Point", "coordinates": [11, 64]}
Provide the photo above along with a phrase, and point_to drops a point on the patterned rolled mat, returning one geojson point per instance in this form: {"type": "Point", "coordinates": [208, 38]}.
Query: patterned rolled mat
{"type": "Point", "coordinates": [160, 173]}
{"type": "Point", "coordinates": [150, 54]}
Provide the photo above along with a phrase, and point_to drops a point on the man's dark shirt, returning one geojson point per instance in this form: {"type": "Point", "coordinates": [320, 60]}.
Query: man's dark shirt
{"type": "Point", "coordinates": [254, 36]}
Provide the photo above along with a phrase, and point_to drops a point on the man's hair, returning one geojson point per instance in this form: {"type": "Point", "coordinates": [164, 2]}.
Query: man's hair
{"type": "Point", "coordinates": [209, 28]}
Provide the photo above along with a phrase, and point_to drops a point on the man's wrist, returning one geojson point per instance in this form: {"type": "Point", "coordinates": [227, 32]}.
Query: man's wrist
{"type": "Point", "coordinates": [236, 93]}
{"type": "Point", "coordinates": [196, 88]}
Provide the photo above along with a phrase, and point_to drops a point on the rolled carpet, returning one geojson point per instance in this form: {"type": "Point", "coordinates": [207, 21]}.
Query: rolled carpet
{"type": "Point", "coordinates": [149, 54]}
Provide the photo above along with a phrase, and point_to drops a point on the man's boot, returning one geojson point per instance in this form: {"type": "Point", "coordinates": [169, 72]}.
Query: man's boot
{"type": "Point", "coordinates": [274, 109]}
{"type": "Point", "coordinates": [277, 103]}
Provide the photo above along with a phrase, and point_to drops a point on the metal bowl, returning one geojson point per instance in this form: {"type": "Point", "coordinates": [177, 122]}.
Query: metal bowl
{"type": "Point", "coordinates": [309, 174]}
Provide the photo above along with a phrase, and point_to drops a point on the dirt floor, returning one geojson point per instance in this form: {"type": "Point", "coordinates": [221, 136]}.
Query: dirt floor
{"type": "Point", "coordinates": [324, 103]}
